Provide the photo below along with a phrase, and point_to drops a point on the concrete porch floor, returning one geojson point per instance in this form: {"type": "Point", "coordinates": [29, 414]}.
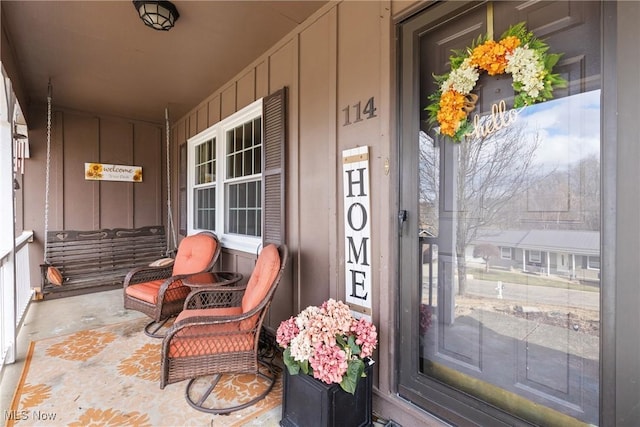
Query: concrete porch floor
{"type": "Point", "coordinates": [63, 316]}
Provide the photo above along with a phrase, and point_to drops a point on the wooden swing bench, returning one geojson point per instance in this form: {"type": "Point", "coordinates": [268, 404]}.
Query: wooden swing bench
{"type": "Point", "coordinates": [81, 261]}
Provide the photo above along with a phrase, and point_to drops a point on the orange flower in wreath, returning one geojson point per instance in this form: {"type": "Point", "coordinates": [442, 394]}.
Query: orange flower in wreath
{"type": "Point", "coordinates": [491, 56]}
{"type": "Point", "coordinates": [451, 111]}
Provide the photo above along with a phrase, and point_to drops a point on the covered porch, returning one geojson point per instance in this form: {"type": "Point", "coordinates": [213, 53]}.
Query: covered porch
{"type": "Point", "coordinates": [353, 173]}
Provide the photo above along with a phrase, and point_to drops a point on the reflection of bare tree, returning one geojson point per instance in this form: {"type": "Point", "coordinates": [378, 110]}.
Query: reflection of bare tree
{"type": "Point", "coordinates": [429, 179]}
{"type": "Point", "coordinates": [586, 174]}
{"type": "Point", "coordinates": [563, 199]}
{"type": "Point", "coordinates": [491, 172]}
{"type": "Point", "coordinates": [498, 187]}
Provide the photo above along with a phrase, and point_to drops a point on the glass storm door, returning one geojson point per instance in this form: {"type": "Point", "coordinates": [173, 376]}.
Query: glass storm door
{"type": "Point", "coordinates": [499, 253]}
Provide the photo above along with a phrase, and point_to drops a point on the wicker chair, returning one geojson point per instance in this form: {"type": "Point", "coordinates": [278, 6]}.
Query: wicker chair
{"type": "Point", "coordinates": [159, 292]}
{"type": "Point", "coordinates": [216, 340]}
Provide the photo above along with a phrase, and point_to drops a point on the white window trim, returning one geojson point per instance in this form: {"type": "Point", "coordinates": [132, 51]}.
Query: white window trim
{"type": "Point", "coordinates": [218, 131]}
{"type": "Point", "coordinates": [502, 252]}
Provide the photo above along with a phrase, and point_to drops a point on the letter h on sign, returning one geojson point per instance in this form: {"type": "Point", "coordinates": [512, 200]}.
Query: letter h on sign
{"type": "Point", "coordinates": [357, 228]}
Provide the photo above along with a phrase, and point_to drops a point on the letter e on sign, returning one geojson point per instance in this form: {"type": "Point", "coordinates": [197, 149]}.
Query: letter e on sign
{"type": "Point", "coordinates": [357, 228]}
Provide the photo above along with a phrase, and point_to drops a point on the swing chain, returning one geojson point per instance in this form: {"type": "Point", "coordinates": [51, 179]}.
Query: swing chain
{"type": "Point", "coordinates": [171, 240]}
{"type": "Point", "coordinates": [47, 173]}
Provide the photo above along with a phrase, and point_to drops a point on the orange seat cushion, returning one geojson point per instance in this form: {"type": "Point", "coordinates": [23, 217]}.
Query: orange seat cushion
{"type": "Point", "coordinates": [207, 345]}
{"type": "Point", "coordinates": [201, 340]}
{"type": "Point", "coordinates": [148, 291]}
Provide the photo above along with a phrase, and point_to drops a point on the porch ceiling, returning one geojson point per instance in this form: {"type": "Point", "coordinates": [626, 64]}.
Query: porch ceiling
{"type": "Point", "coordinates": [101, 58]}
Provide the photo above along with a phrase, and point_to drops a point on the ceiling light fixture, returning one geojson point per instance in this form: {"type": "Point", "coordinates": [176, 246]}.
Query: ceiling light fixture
{"type": "Point", "coordinates": [159, 15]}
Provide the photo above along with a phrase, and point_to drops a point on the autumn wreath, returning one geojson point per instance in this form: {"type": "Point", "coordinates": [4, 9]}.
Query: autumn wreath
{"type": "Point", "coordinates": [518, 52]}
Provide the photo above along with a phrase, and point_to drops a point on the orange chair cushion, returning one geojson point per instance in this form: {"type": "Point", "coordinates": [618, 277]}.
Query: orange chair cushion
{"type": "Point", "coordinates": [148, 291]}
{"type": "Point", "coordinates": [194, 254]}
{"type": "Point", "coordinates": [262, 277]}
{"type": "Point", "coordinates": [54, 276]}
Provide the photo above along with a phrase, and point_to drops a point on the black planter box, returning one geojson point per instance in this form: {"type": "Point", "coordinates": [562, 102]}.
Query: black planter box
{"type": "Point", "coordinates": [308, 402]}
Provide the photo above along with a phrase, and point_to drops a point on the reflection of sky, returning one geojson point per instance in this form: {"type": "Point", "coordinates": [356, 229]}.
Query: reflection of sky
{"type": "Point", "coordinates": [568, 129]}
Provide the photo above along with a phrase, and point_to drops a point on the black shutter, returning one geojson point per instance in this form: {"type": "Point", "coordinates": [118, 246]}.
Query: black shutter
{"type": "Point", "coordinates": [274, 131]}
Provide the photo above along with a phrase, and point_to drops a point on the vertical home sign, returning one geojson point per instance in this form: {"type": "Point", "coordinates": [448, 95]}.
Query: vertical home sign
{"type": "Point", "coordinates": [357, 229]}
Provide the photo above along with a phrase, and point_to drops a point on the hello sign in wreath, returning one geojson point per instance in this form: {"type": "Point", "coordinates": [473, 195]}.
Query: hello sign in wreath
{"type": "Point", "coordinates": [517, 52]}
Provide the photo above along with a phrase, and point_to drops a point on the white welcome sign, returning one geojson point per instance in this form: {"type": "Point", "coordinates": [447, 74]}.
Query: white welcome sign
{"type": "Point", "coordinates": [357, 229]}
{"type": "Point", "coordinates": [105, 172]}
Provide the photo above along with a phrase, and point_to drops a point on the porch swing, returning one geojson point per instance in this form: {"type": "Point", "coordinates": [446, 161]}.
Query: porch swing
{"type": "Point", "coordinates": [91, 260]}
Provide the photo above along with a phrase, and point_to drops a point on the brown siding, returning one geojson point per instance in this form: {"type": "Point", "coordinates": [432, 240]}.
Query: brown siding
{"type": "Point", "coordinates": [340, 56]}
{"type": "Point", "coordinates": [203, 116]}
{"type": "Point", "coordinates": [359, 68]}
{"type": "Point", "coordinates": [333, 61]}
{"type": "Point", "coordinates": [116, 198]}
{"type": "Point", "coordinates": [78, 204]}
{"type": "Point", "coordinates": [317, 167]}
{"type": "Point", "coordinates": [262, 80]}
{"type": "Point", "coordinates": [246, 90]}
{"type": "Point", "coordinates": [214, 110]}
{"type": "Point", "coordinates": [193, 124]}
{"type": "Point", "coordinates": [81, 197]}
{"type": "Point", "coordinates": [228, 106]}
{"type": "Point", "coordinates": [149, 195]}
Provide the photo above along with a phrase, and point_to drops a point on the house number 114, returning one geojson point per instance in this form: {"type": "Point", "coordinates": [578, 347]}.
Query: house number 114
{"type": "Point", "coordinates": [368, 112]}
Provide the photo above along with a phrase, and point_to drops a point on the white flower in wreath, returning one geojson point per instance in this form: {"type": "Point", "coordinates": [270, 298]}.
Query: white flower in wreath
{"type": "Point", "coordinates": [527, 68]}
{"type": "Point", "coordinates": [463, 79]}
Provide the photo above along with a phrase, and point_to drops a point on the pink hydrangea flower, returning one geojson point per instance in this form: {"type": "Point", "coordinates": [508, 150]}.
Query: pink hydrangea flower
{"type": "Point", "coordinates": [287, 331]}
{"type": "Point", "coordinates": [329, 363]}
{"type": "Point", "coordinates": [366, 336]}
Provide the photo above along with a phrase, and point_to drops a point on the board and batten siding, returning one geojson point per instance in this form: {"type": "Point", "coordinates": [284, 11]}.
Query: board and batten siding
{"type": "Point", "coordinates": [330, 63]}
{"type": "Point", "coordinates": [337, 63]}
{"type": "Point", "coordinates": [79, 204]}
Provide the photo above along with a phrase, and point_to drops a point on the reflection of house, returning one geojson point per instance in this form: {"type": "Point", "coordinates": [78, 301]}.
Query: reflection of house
{"type": "Point", "coordinates": [563, 252]}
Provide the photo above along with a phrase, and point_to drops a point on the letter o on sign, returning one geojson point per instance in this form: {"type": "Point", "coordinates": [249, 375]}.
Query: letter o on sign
{"type": "Point", "coordinates": [358, 217]}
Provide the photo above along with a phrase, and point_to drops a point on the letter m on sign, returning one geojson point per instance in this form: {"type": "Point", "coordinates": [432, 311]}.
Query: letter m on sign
{"type": "Point", "coordinates": [357, 228]}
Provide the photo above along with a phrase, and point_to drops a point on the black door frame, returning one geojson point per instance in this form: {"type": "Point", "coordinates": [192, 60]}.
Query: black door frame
{"type": "Point", "coordinates": [431, 395]}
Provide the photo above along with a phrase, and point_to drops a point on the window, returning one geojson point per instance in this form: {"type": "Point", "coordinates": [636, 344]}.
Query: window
{"type": "Point", "coordinates": [593, 263]}
{"type": "Point", "coordinates": [505, 253]}
{"type": "Point", "coordinates": [231, 166]}
{"type": "Point", "coordinates": [243, 179]}
{"type": "Point", "coordinates": [225, 179]}
{"type": "Point", "coordinates": [205, 185]}
{"type": "Point", "coordinates": [535, 256]}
